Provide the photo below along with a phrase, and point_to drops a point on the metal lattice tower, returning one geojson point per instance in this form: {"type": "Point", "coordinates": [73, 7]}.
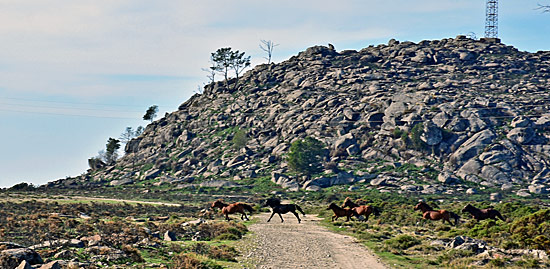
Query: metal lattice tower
{"type": "Point", "coordinates": [491, 19]}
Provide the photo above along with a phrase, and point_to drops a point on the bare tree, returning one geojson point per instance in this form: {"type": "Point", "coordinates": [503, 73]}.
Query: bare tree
{"type": "Point", "coordinates": [211, 70]}
{"type": "Point", "coordinates": [128, 134]}
{"type": "Point", "coordinates": [267, 46]}
{"type": "Point", "coordinates": [199, 90]}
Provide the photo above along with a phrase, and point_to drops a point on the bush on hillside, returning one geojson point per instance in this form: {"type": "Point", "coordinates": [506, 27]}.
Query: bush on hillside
{"type": "Point", "coordinates": [306, 155]}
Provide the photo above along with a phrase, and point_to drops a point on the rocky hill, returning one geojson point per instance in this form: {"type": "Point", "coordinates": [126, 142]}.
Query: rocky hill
{"type": "Point", "coordinates": [449, 116]}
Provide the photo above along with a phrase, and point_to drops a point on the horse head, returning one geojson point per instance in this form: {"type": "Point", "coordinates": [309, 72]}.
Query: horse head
{"type": "Point", "coordinates": [347, 202]}
{"type": "Point", "coordinates": [272, 202]}
{"type": "Point", "coordinates": [422, 206]}
{"type": "Point", "coordinates": [332, 206]}
{"type": "Point", "coordinates": [217, 203]}
{"type": "Point", "coordinates": [467, 208]}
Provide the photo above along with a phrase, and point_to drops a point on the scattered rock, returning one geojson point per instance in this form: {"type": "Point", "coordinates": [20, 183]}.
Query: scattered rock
{"type": "Point", "coordinates": [170, 236]}
{"type": "Point", "coordinates": [23, 254]}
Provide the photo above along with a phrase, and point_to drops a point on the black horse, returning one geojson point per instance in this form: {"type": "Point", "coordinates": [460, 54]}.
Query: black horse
{"type": "Point", "coordinates": [482, 214]}
{"type": "Point", "coordinates": [277, 207]}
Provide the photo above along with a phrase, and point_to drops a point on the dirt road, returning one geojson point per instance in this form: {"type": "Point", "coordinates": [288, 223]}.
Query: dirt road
{"type": "Point", "coordinates": [305, 245]}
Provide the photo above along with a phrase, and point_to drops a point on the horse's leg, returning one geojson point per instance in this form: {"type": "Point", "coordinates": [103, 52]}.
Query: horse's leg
{"type": "Point", "coordinates": [282, 220]}
{"type": "Point", "coordinates": [227, 216]}
{"type": "Point", "coordinates": [272, 213]}
{"type": "Point", "coordinates": [245, 216]}
{"type": "Point", "coordinates": [296, 214]}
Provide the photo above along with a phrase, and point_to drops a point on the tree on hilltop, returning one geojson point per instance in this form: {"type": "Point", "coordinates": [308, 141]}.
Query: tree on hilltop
{"type": "Point", "coordinates": [226, 59]}
{"type": "Point", "coordinates": [267, 46]}
{"type": "Point", "coordinates": [151, 113]}
{"type": "Point", "coordinates": [111, 154]}
{"type": "Point", "coordinates": [128, 134]}
{"type": "Point", "coordinates": [139, 131]}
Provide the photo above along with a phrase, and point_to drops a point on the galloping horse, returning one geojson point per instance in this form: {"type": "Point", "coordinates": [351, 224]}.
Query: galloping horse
{"type": "Point", "coordinates": [232, 208]}
{"type": "Point", "coordinates": [361, 210]}
{"type": "Point", "coordinates": [340, 212]}
{"type": "Point", "coordinates": [277, 207]}
{"type": "Point", "coordinates": [481, 214]}
{"type": "Point", "coordinates": [429, 213]}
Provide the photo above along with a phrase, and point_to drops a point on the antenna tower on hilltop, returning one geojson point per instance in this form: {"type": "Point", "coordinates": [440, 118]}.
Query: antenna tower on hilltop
{"type": "Point", "coordinates": [491, 19]}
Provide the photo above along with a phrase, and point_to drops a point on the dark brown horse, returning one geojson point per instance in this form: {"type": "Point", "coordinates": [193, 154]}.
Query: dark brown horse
{"type": "Point", "coordinates": [430, 214]}
{"type": "Point", "coordinates": [277, 207]}
{"type": "Point", "coordinates": [360, 210]}
{"type": "Point", "coordinates": [481, 214]}
{"type": "Point", "coordinates": [233, 208]}
{"type": "Point", "coordinates": [340, 212]}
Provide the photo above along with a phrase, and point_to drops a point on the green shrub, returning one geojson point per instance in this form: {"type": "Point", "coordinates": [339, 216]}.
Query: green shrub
{"type": "Point", "coordinates": [397, 133]}
{"type": "Point", "coordinates": [402, 242]}
{"type": "Point", "coordinates": [215, 230]}
{"type": "Point", "coordinates": [192, 261]}
{"type": "Point", "coordinates": [305, 156]}
{"type": "Point", "coordinates": [414, 135]}
{"type": "Point", "coordinates": [239, 139]}
{"type": "Point", "coordinates": [454, 254]}
{"type": "Point", "coordinates": [227, 236]}
{"type": "Point", "coordinates": [532, 231]}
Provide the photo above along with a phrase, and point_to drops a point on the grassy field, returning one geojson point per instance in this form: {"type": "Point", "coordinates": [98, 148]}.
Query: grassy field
{"type": "Point", "coordinates": [112, 232]}
{"type": "Point", "coordinates": [135, 227]}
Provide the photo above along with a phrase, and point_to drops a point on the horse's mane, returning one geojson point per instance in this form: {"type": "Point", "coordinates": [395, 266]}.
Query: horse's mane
{"type": "Point", "coordinates": [426, 204]}
{"type": "Point", "coordinates": [276, 201]}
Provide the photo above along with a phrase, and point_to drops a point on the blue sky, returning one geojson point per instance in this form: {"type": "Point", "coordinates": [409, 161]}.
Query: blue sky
{"type": "Point", "coordinates": [74, 73]}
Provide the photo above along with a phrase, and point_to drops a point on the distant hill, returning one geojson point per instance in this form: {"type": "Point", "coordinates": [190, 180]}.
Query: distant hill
{"type": "Point", "coordinates": [451, 116]}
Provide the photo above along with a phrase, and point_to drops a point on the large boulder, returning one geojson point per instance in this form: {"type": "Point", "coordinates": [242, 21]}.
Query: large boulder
{"type": "Point", "coordinates": [521, 135]}
{"type": "Point", "coordinates": [18, 255]}
{"type": "Point", "coordinates": [345, 141]}
{"type": "Point", "coordinates": [431, 134]}
{"type": "Point", "coordinates": [473, 146]}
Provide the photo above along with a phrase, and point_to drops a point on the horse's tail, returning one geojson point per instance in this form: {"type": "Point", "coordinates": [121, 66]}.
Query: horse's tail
{"type": "Point", "coordinates": [500, 216]}
{"type": "Point", "coordinates": [455, 216]}
{"type": "Point", "coordinates": [300, 209]}
{"type": "Point", "coordinates": [248, 207]}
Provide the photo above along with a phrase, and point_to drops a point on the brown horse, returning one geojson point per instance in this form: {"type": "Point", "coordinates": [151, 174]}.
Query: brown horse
{"type": "Point", "coordinates": [481, 214]}
{"type": "Point", "coordinates": [232, 208]}
{"type": "Point", "coordinates": [340, 212]}
{"type": "Point", "coordinates": [429, 213]}
{"type": "Point", "coordinates": [360, 210]}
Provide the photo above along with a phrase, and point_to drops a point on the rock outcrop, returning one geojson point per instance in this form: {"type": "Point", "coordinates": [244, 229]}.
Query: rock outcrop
{"type": "Point", "coordinates": [472, 111]}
